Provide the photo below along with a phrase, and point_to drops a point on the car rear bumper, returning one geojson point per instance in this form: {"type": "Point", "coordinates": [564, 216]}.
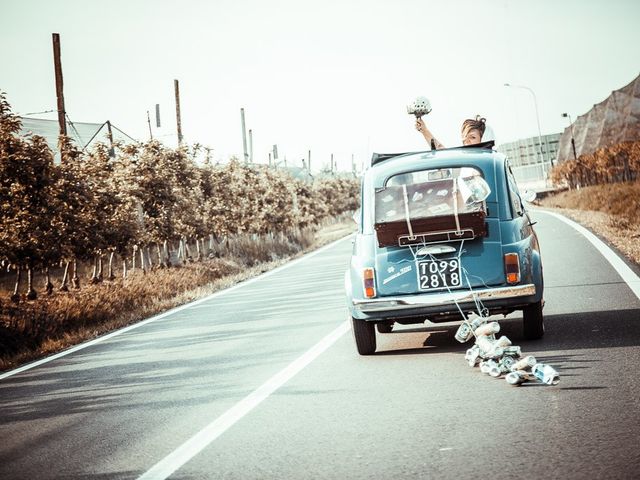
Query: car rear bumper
{"type": "Point", "coordinates": [438, 301]}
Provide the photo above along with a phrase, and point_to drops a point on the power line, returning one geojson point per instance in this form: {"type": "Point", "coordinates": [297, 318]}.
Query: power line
{"type": "Point", "coordinates": [35, 113]}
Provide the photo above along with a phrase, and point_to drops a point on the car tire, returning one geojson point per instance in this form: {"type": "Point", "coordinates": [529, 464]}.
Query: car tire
{"type": "Point", "coordinates": [385, 327]}
{"type": "Point", "coordinates": [364, 334]}
{"type": "Point", "coordinates": [533, 322]}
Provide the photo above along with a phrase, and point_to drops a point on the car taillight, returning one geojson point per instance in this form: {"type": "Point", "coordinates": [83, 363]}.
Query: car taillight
{"type": "Point", "coordinates": [369, 282]}
{"type": "Point", "coordinates": [512, 267]}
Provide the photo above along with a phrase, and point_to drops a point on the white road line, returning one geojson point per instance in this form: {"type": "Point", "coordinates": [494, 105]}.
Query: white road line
{"type": "Point", "coordinates": [208, 434]}
{"type": "Point", "coordinates": [90, 343]}
{"type": "Point", "coordinates": [628, 275]}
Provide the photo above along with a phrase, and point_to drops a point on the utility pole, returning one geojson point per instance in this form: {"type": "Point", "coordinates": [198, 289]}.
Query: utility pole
{"type": "Point", "coordinates": [573, 142]}
{"type": "Point", "coordinates": [332, 164]}
{"type": "Point", "coordinates": [157, 115]}
{"type": "Point", "coordinates": [59, 91]}
{"type": "Point", "coordinates": [275, 155]}
{"type": "Point", "coordinates": [244, 137]}
{"type": "Point", "coordinates": [112, 152]}
{"type": "Point", "coordinates": [250, 146]}
{"type": "Point", "coordinates": [269, 159]}
{"type": "Point", "coordinates": [309, 160]}
{"type": "Point", "coordinates": [179, 123]}
{"type": "Point", "coordinates": [149, 123]}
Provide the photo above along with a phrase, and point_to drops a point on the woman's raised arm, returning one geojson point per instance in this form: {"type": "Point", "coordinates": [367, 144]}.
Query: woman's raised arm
{"type": "Point", "coordinates": [428, 136]}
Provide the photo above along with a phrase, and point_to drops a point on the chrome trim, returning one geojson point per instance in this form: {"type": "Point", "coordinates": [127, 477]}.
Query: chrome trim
{"type": "Point", "coordinates": [443, 298]}
{"type": "Point", "coordinates": [435, 250]}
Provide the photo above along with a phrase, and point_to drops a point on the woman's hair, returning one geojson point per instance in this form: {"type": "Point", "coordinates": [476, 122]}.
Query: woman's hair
{"type": "Point", "coordinates": [474, 124]}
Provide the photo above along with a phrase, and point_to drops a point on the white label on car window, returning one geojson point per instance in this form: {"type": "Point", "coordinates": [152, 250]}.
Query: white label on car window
{"type": "Point", "coordinates": [442, 193]}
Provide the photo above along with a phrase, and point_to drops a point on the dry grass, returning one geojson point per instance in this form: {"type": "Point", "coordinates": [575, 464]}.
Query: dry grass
{"type": "Point", "coordinates": [32, 329]}
{"type": "Point", "coordinates": [620, 200]}
{"type": "Point", "coordinates": [611, 211]}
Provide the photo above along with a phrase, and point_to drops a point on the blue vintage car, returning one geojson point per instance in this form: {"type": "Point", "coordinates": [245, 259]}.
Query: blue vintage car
{"type": "Point", "coordinates": [442, 234]}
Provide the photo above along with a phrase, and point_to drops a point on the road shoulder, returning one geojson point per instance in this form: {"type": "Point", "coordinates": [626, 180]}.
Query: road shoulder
{"type": "Point", "coordinates": [622, 238]}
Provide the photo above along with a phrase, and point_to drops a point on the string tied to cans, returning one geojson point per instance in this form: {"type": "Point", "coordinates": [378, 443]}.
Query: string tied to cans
{"type": "Point", "coordinates": [497, 357]}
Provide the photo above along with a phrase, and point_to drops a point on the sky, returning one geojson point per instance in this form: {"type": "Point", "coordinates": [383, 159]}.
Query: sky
{"type": "Point", "coordinates": [333, 77]}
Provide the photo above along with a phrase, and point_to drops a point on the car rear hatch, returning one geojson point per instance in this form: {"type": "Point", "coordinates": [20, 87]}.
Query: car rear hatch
{"type": "Point", "coordinates": [436, 230]}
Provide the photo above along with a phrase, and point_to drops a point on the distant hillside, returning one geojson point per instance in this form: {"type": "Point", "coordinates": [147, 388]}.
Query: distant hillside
{"type": "Point", "coordinates": [613, 121]}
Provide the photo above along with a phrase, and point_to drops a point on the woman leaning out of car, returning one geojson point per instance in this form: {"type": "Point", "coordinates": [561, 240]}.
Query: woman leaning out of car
{"type": "Point", "coordinates": [472, 131]}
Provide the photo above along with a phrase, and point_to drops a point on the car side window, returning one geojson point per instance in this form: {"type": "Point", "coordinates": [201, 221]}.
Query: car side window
{"type": "Point", "coordinates": [514, 195]}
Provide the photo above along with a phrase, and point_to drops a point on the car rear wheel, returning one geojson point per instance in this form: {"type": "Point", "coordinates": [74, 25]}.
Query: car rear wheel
{"type": "Point", "coordinates": [533, 323]}
{"type": "Point", "coordinates": [385, 327]}
{"type": "Point", "coordinates": [365, 335]}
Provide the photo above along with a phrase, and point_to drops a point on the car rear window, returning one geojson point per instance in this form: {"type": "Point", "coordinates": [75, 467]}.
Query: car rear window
{"type": "Point", "coordinates": [431, 193]}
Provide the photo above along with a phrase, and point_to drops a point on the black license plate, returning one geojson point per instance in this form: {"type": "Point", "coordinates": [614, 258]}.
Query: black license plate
{"type": "Point", "coordinates": [438, 274]}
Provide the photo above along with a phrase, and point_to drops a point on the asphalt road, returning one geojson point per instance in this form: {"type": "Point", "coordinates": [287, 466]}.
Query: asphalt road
{"type": "Point", "coordinates": [232, 388]}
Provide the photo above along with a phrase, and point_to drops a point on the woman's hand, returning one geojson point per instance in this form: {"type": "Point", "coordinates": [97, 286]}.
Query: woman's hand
{"type": "Point", "coordinates": [420, 126]}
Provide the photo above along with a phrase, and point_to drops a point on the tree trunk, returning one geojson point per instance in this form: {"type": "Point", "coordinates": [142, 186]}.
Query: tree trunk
{"type": "Point", "coordinates": [65, 278]}
{"type": "Point", "coordinates": [75, 280]}
{"type": "Point", "coordinates": [133, 258]}
{"type": "Point", "coordinates": [149, 258]}
{"type": "Point", "coordinates": [48, 286]}
{"type": "Point", "coordinates": [161, 263]}
{"type": "Point", "coordinates": [31, 293]}
{"type": "Point", "coordinates": [187, 250]}
{"type": "Point", "coordinates": [180, 251]}
{"type": "Point", "coordinates": [100, 275]}
{"type": "Point", "coordinates": [94, 275]}
{"type": "Point", "coordinates": [626, 173]}
{"type": "Point", "coordinates": [142, 266]}
{"type": "Point", "coordinates": [111, 276]}
{"type": "Point", "coordinates": [124, 268]}
{"type": "Point", "coordinates": [167, 255]}
{"type": "Point", "coordinates": [16, 291]}
{"type": "Point", "coordinates": [199, 253]}
{"type": "Point", "coordinates": [214, 251]}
